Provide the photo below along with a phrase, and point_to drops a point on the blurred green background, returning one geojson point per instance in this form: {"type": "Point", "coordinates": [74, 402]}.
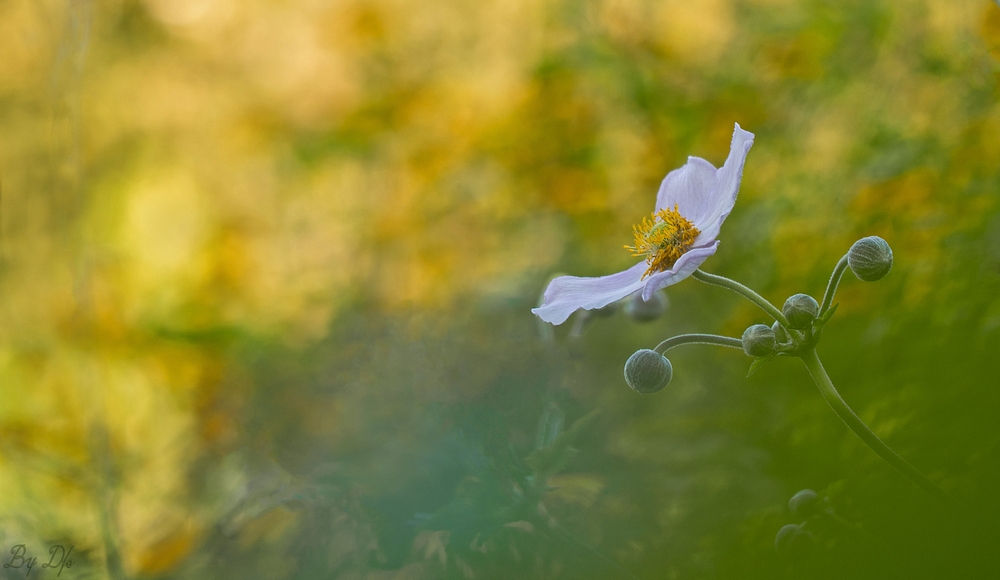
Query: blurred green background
{"type": "Point", "coordinates": [267, 269]}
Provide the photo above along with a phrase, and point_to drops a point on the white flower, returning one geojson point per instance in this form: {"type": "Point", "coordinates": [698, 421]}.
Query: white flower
{"type": "Point", "coordinates": [691, 205]}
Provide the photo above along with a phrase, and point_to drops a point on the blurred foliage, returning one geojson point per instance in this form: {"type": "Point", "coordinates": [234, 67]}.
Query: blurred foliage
{"type": "Point", "coordinates": [267, 270]}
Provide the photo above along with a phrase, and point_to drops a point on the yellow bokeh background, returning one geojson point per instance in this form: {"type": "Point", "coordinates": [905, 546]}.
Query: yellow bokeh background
{"type": "Point", "coordinates": [210, 168]}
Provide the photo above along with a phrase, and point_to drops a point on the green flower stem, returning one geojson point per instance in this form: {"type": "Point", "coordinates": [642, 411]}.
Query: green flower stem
{"type": "Point", "coordinates": [831, 286]}
{"type": "Point", "coordinates": [833, 398]}
{"type": "Point", "coordinates": [698, 339]}
{"type": "Point", "coordinates": [743, 291]}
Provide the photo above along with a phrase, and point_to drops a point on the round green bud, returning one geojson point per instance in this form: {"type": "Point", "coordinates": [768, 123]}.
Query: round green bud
{"type": "Point", "coordinates": [758, 340]}
{"type": "Point", "coordinates": [800, 310]}
{"type": "Point", "coordinates": [641, 310]}
{"type": "Point", "coordinates": [648, 371]}
{"type": "Point", "coordinates": [784, 536]}
{"type": "Point", "coordinates": [792, 540]}
{"type": "Point", "coordinates": [870, 258]}
{"type": "Point", "coordinates": [806, 503]}
{"type": "Point", "coordinates": [780, 334]}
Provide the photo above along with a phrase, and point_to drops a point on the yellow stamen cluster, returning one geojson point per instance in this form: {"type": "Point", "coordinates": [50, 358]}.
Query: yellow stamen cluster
{"type": "Point", "coordinates": [662, 239]}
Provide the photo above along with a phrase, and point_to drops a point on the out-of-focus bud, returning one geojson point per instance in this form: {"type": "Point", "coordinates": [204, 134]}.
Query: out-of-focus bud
{"type": "Point", "coordinates": [758, 340]}
{"type": "Point", "coordinates": [805, 503]}
{"type": "Point", "coordinates": [780, 334]}
{"type": "Point", "coordinates": [792, 540]}
{"type": "Point", "coordinates": [800, 310]}
{"type": "Point", "coordinates": [870, 258]}
{"type": "Point", "coordinates": [648, 371]}
{"type": "Point", "coordinates": [641, 310]}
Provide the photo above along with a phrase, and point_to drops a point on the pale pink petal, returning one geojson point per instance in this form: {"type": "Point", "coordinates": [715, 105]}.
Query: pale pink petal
{"type": "Point", "coordinates": [568, 294]}
{"type": "Point", "coordinates": [722, 197]}
{"type": "Point", "coordinates": [685, 266]}
{"type": "Point", "coordinates": [688, 188]}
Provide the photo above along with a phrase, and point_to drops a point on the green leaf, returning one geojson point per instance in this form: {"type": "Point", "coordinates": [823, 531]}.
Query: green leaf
{"type": "Point", "coordinates": [828, 314]}
{"type": "Point", "coordinates": [553, 458]}
{"type": "Point", "coordinates": [759, 363]}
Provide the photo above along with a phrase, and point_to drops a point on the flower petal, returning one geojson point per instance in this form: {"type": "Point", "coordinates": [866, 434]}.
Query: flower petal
{"type": "Point", "coordinates": [688, 187]}
{"type": "Point", "coordinates": [727, 186]}
{"type": "Point", "coordinates": [567, 294]}
{"type": "Point", "coordinates": [685, 266]}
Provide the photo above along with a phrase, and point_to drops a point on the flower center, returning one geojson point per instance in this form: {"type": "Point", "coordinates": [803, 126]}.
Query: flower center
{"type": "Point", "coordinates": [662, 239]}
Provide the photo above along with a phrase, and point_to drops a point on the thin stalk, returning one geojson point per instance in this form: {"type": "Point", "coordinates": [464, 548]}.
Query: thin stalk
{"type": "Point", "coordinates": [714, 339]}
{"type": "Point", "coordinates": [831, 286]}
{"type": "Point", "coordinates": [579, 323]}
{"type": "Point", "coordinates": [839, 406]}
{"type": "Point", "coordinates": [742, 290]}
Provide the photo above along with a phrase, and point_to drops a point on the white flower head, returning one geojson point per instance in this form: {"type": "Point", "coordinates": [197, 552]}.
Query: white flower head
{"type": "Point", "coordinates": [691, 205]}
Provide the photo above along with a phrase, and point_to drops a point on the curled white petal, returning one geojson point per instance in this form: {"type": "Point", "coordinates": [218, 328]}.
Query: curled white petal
{"type": "Point", "coordinates": [728, 178]}
{"type": "Point", "coordinates": [703, 194]}
{"type": "Point", "coordinates": [684, 267]}
{"type": "Point", "coordinates": [567, 294]}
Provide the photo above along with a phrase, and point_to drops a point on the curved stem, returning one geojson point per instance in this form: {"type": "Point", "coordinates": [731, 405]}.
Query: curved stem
{"type": "Point", "coordinates": [742, 290]}
{"type": "Point", "coordinates": [833, 398]}
{"type": "Point", "coordinates": [831, 286]}
{"type": "Point", "coordinates": [714, 339]}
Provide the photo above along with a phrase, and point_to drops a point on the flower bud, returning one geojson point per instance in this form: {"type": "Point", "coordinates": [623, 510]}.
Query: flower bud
{"type": "Point", "coordinates": [792, 540]}
{"type": "Point", "coordinates": [806, 503]}
{"type": "Point", "coordinates": [870, 258]}
{"type": "Point", "coordinates": [800, 310]}
{"type": "Point", "coordinates": [758, 340]}
{"type": "Point", "coordinates": [648, 371]}
{"type": "Point", "coordinates": [641, 310]}
{"type": "Point", "coordinates": [780, 334]}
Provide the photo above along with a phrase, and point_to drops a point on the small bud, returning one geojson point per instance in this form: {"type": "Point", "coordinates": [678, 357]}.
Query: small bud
{"type": "Point", "coordinates": [792, 540]}
{"type": "Point", "coordinates": [805, 503]}
{"type": "Point", "coordinates": [870, 258]}
{"type": "Point", "coordinates": [800, 310]}
{"type": "Point", "coordinates": [641, 310]}
{"type": "Point", "coordinates": [758, 340]}
{"type": "Point", "coordinates": [648, 371]}
{"type": "Point", "coordinates": [780, 334]}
